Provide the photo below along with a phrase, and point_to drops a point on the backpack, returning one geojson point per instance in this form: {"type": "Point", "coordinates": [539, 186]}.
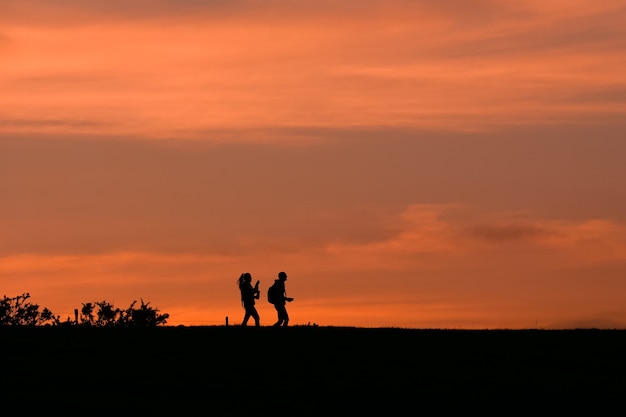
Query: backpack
{"type": "Point", "coordinates": [273, 294]}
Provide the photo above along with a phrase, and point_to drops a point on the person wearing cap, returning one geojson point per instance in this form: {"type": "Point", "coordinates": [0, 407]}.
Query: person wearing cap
{"type": "Point", "coordinates": [279, 305]}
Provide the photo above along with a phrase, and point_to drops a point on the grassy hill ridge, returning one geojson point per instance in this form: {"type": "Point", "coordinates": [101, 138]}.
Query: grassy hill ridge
{"type": "Point", "coordinates": [312, 370]}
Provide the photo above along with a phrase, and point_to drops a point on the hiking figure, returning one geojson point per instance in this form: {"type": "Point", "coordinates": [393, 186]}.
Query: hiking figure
{"type": "Point", "coordinates": [248, 296]}
{"type": "Point", "coordinates": [277, 295]}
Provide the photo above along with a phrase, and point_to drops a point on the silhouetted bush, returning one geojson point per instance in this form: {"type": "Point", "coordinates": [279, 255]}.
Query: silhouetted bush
{"type": "Point", "coordinates": [107, 316]}
{"type": "Point", "coordinates": [16, 311]}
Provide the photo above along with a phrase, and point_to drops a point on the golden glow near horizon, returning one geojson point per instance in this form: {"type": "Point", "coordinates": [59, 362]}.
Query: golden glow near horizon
{"type": "Point", "coordinates": [407, 163]}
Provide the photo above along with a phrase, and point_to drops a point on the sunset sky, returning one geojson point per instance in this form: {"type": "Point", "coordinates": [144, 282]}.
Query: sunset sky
{"type": "Point", "coordinates": [449, 164]}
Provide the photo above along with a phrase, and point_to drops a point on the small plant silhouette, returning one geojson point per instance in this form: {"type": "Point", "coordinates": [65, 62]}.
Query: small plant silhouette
{"type": "Point", "coordinates": [107, 316]}
{"type": "Point", "coordinates": [16, 311]}
{"type": "Point", "coordinates": [146, 316]}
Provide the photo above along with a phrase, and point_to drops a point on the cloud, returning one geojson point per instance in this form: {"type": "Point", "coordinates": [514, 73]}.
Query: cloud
{"type": "Point", "coordinates": [591, 241]}
{"type": "Point", "coordinates": [417, 234]}
{"type": "Point", "coordinates": [35, 124]}
{"type": "Point", "coordinates": [509, 232]}
{"type": "Point", "coordinates": [601, 94]}
{"type": "Point", "coordinates": [88, 11]}
{"type": "Point", "coordinates": [345, 187]}
{"type": "Point", "coordinates": [444, 230]}
{"type": "Point", "coordinates": [614, 320]}
{"type": "Point", "coordinates": [232, 65]}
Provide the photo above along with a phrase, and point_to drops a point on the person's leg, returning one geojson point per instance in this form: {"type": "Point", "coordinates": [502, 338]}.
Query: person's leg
{"type": "Point", "coordinates": [285, 317]}
{"type": "Point", "coordinates": [255, 316]}
{"type": "Point", "coordinates": [280, 320]}
{"type": "Point", "coordinates": [246, 317]}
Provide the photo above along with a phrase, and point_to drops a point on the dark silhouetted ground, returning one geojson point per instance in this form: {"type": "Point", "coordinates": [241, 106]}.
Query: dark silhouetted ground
{"type": "Point", "coordinates": [320, 371]}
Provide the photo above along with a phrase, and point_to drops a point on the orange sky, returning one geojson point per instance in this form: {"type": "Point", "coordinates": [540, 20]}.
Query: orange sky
{"type": "Point", "coordinates": [407, 163]}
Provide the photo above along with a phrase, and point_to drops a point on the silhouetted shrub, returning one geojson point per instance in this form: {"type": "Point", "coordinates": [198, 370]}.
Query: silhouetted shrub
{"type": "Point", "coordinates": [17, 311]}
{"type": "Point", "coordinates": [145, 316]}
{"type": "Point", "coordinates": [107, 316]}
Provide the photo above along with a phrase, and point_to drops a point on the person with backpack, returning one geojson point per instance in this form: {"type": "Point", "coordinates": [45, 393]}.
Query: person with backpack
{"type": "Point", "coordinates": [248, 296]}
{"type": "Point", "coordinates": [277, 295]}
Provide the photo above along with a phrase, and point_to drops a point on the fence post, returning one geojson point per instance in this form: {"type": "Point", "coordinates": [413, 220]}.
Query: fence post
{"type": "Point", "coordinates": [76, 315]}
{"type": "Point", "coordinates": [226, 321]}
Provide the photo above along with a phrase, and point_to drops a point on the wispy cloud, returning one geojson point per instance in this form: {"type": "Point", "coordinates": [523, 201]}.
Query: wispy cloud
{"type": "Point", "coordinates": [28, 124]}
{"type": "Point", "coordinates": [432, 229]}
{"type": "Point", "coordinates": [509, 232]}
{"type": "Point", "coordinates": [227, 65]}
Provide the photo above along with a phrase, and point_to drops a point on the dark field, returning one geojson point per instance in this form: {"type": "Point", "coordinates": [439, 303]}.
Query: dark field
{"type": "Point", "coordinates": [180, 371]}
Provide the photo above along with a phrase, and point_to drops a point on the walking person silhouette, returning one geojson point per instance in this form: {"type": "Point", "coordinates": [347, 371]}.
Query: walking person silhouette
{"type": "Point", "coordinates": [279, 299]}
{"type": "Point", "coordinates": [248, 296]}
